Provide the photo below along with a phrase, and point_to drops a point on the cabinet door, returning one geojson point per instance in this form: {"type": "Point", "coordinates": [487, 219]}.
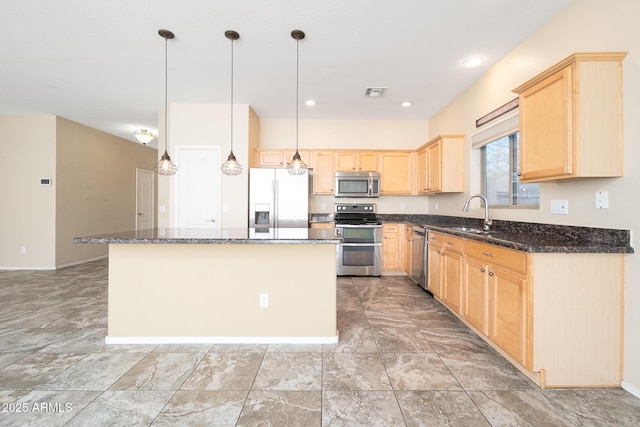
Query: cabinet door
{"type": "Point", "coordinates": [422, 171]}
{"type": "Point", "coordinates": [391, 248]}
{"type": "Point", "coordinates": [452, 280]}
{"type": "Point", "coordinates": [434, 167]}
{"type": "Point", "coordinates": [396, 172]}
{"type": "Point", "coordinates": [408, 249]}
{"type": "Point", "coordinates": [323, 172]}
{"type": "Point", "coordinates": [345, 161]}
{"type": "Point", "coordinates": [304, 155]}
{"type": "Point", "coordinates": [475, 285]}
{"type": "Point", "coordinates": [546, 147]}
{"type": "Point", "coordinates": [508, 312]}
{"type": "Point", "coordinates": [271, 158]}
{"type": "Point", "coordinates": [367, 161]}
{"type": "Point", "coordinates": [434, 271]}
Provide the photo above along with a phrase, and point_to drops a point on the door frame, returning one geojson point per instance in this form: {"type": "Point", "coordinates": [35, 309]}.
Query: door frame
{"type": "Point", "coordinates": [153, 197]}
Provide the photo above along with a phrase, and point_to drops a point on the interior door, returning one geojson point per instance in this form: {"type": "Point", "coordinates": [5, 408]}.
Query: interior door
{"type": "Point", "coordinates": [145, 199]}
{"type": "Point", "coordinates": [198, 187]}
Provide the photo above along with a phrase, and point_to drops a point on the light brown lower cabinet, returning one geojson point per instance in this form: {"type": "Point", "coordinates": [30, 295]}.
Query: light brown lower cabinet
{"type": "Point", "coordinates": [556, 316]}
{"type": "Point", "coordinates": [392, 247]}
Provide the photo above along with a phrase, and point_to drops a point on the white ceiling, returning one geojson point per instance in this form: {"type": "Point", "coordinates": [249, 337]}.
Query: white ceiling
{"type": "Point", "coordinates": [101, 63]}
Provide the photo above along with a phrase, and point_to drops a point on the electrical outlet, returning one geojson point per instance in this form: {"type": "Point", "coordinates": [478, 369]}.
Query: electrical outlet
{"type": "Point", "coordinates": [264, 300]}
{"type": "Point", "coordinates": [225, 208]}
{"type": "Point", "coordinates": [401, 205]}
{"type": "Point", "coordinates": [324, 206]}
{"type": "Point", "coordinates": [560, 207]}
{"type": "Point", "coordinates": [23, 250]}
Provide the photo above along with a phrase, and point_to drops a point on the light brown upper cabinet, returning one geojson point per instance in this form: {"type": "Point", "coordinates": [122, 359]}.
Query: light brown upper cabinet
{"type": "Point", "coordinates": [356, 161]}
{"type": "Point", "coordinates": [441, 165]}
{"type": "Point", "coordinates": [397, 172]}
{"type": "Point", "coordinates": [276, 157]}
{"type": "Point", "coordinates": [322, 164]}
{"type": "Point", "coordinates": [571, 119]}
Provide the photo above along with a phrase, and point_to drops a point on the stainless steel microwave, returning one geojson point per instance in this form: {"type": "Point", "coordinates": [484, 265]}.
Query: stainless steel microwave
{"type": "Point", "coordinates": [357, 184]}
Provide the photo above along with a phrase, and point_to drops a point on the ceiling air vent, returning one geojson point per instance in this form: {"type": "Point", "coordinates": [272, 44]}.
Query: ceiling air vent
{"type": "Point", "coordinates": [375, 91]}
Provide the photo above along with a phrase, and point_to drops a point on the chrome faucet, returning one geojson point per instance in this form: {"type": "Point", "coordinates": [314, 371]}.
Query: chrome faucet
{"type": "Point", "coordinates": [487, 220]}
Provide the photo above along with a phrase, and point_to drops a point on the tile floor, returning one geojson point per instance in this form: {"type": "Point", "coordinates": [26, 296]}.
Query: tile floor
{"type": "Point", "coordinates": [402, 360]}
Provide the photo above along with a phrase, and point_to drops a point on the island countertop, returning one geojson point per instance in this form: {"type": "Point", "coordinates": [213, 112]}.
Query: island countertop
{"type": "Point", "coordinates": [216, 236]}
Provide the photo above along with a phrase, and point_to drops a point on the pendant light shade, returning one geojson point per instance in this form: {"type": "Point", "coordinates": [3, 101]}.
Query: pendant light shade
{"type": "Point", "coordinates": [165, 166]}
{"type": "Point", "coordinates": [231, 167]}
{"type": "Point", "coordinates": [296, 166]}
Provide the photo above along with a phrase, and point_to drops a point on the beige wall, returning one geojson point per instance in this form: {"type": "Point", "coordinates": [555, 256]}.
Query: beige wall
{"type": "Point", "coordinates": [586, 25]}
{"type": "Point", "coordinates": [351, 134]}
{"type": "Point", "coordinates": [27, 216]}
{"type": "Point", "coordinates": [209, 125]}
{"type": "Point", "coordinates": [93, 189]}
{"type": "Point", "coordinates": [344, 134]}
{"type": "Point", "coordinates": [96, 187]}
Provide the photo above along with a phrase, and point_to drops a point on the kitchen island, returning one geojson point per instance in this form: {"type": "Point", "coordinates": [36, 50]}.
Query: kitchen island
{"type": "Point", "coordinates": [221, 286]}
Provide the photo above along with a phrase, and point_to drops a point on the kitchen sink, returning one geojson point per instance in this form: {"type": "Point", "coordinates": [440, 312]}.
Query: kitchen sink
{"type": "Point", "coordinates": [470, 230]}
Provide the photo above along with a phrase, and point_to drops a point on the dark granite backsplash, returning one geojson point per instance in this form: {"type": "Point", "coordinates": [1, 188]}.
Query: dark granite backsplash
{"type": "Point", "coordinates": [588, 235]}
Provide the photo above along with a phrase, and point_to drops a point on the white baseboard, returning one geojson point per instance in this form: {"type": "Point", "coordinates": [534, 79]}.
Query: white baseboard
{"type": "Point", "coordinates": [71, 264]}
{"type": "Point", "coordinates": [56, 267]}
{"type": "Point", "coordinates": [221, 340]}
{"type": "Point", "coordinates": [631, 389]}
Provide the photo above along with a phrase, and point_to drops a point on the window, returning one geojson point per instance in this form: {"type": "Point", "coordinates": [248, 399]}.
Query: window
{"type": "Point", "coordinates": [501, 182]}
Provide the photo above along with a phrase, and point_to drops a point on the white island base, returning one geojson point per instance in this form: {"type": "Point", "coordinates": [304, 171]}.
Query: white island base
{"type": "Point", "coordinates": [211, 293]}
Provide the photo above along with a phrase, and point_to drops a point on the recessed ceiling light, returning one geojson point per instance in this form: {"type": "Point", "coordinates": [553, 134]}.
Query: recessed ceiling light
{"type": "Point", "coordinates": [473, 61]}
{"type": "Point", "coordinates": [309, 102]}
{"type": "Point", "coordinates": [407, 104]}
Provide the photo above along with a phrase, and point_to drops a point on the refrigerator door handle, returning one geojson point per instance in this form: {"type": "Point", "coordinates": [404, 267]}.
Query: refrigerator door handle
{"type": "Point", "coordinates": [274, 184]}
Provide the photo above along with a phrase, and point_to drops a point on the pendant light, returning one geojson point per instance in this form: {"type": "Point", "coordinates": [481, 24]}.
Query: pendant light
{"type": "Point", "coordinates": [231, 167]}
{"type": "Point", "coordinates": [296, 166]}
{"type": "Point", "coordinates": [165, 166]}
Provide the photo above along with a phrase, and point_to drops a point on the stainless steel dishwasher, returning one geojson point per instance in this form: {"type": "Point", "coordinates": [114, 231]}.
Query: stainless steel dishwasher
{"type": "Point", "coordinates": [418, 257]}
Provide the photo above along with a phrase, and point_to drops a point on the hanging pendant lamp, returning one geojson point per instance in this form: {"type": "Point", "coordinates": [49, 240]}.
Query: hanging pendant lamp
{"type": "Point", "coordinates": [165, 166]}
{"type": "Point", "coordinates": [296, 166]}
{"type": "Point", "coordinates": [231, 167]}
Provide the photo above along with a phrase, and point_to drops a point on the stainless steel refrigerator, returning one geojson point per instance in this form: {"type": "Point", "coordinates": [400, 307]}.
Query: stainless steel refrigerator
{"type": "Point", "coordinates": [278, 199]}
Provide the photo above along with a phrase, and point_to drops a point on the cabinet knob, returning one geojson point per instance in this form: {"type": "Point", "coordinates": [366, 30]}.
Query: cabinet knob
{"type": "Point", "coordinates": [491, 273]}
{"type": "Point", "coordinates": [487, 254]}
{"type": "Point", "coordinates": [482, 270]}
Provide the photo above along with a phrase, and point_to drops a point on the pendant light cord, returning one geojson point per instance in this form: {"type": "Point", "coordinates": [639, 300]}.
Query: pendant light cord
{"type": "Point", "coordinates": [166, 89]}
{"type": "Point", "coordinates": [231, 96]}
{"type": "Point", "coordinates": [297, 87]}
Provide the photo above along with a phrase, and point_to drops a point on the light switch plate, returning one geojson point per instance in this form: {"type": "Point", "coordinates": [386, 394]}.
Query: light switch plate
{"type": "Point", "coordinates": [602, 200]}
{"type": "Point", "coordinates": [560, 207]}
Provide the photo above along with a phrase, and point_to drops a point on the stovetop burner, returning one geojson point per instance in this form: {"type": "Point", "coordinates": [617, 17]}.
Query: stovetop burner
{"type": "Point", "coordinates": [356, 214]}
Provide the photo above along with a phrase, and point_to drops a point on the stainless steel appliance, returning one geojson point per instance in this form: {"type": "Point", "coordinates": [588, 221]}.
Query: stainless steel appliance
{"type": "Point", "coordinates": [419, 257]}
{"type": "Point", "coordinates": [357, 184]}
{"type": "Point", "coordinates": [278, 199]}
{"type": "Point", "coordinates": [360, 253]}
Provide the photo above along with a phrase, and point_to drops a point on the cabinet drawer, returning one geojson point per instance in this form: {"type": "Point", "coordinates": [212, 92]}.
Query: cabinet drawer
{"type": "Point", "coordinates": [513, 260]}
{"type": "Point", "coordinates": [452, 243]}
{"type": "Point", "coordinates": [408, 231]}
{"type": "Point", "coordinates": [390, 228]}
{"type": "Point", "coordinates": [435, 238]}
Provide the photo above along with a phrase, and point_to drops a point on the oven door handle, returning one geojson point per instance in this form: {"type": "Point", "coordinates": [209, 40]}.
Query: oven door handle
{"type": "Point", "coordinates": [360, 244]}
{"type": "Point", "coordinates": [358, 226]}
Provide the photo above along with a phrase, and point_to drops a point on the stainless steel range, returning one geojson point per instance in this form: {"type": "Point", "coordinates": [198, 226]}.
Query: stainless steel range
{"type": "Point", "coordinates": [360, 253]}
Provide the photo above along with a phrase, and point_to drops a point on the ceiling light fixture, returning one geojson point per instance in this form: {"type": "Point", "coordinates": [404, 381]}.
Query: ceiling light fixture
{"type": "Point", "coordinates": [231, 167]}
{"type": "Point", "coordinates": [310, 102]}
{"type": "Point", "coordinates": [296, 166]}
{"type": "Point", "coordinates": [143, 136]}
{"type": "Point", "coordinates": [473, 61]}
{"type": "Point", "coordinates": [407, 104]}
{"type": "Point", "coordinates": [165, 166]}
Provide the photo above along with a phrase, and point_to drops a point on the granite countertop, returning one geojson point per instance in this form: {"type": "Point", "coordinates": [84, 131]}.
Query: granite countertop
{"type": "Point", "coordinates": [216, 237]}
{"type": "Point", "coordinates": [528, 237]}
